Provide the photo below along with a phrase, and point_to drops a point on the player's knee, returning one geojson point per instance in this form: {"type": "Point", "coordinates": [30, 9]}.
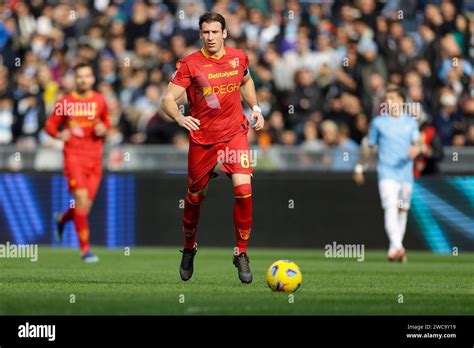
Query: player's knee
{"type": "Point", "coordinates": [197, 197]}
{"type": "Point", "coordinates": [82, 199]}
{"type": "Point", "coordinates": [243, 191]}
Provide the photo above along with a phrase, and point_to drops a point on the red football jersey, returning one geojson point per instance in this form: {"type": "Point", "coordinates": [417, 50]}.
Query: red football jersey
{"type": "Point", "coordinates": [213, 91]}
{"type": "Point", "coordinates": [80, 115]}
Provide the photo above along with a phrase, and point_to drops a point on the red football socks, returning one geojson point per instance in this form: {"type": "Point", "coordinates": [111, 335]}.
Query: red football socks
{"type": "Point", "coordinates": [192, 210]}
{"type": "Point", "coordinates": [242, 215]}
{"type": "Point", "coordinates": [82, 228]}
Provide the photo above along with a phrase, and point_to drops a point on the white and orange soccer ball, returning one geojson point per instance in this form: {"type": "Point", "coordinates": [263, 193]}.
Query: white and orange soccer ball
{"type": "Point", "coordinates": [284, 276]}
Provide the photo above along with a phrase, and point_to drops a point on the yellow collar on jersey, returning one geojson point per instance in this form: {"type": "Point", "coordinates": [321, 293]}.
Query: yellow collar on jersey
{"type": "Point", "coordinates": [78, 96]}
{"type": "Point", "coordinates": [207, 55]}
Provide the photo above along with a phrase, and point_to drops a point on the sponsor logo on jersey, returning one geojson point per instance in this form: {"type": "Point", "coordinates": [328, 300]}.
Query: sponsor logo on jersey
{"type": "Point", "coordinates": [221, 89]}
{"type": "Point", "coordinates": [224, 74]}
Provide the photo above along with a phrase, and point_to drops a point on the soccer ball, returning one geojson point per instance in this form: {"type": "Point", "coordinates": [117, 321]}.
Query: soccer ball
{"type": "Point", "coordinates": [284, 276]}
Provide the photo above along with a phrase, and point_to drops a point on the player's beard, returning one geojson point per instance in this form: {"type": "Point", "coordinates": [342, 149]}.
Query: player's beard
{"type": "Point", "coordinates": [83, 89]}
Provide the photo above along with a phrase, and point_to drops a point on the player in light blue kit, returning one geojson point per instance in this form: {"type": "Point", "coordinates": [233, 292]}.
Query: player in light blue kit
{"type": "Point", "coordinates": [398, 139]}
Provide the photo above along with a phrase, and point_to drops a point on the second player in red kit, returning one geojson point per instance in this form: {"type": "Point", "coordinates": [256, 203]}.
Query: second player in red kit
{"type": "Point", "coordinates": [84, 119]}
{"type": "Point", "coordinates": [214, 80]}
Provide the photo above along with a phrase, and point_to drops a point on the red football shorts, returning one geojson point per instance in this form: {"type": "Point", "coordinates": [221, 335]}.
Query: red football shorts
{"type": "Point", "coordinates": [83, 174]}
{"type": "Point", "coordinates": [202, 159]}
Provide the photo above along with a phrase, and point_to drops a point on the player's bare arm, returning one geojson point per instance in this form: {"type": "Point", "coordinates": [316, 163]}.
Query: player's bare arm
{"type": "Point", "coordinates": [100, 129]}
{"type": "Point", "coordinates": [365, 154]}
{"type": "Point", "coordinates": [64, 135]}
{"type": "Point", "coordinates": [169, 106]}
{"type": "Point", "coordinates": [250, 97]}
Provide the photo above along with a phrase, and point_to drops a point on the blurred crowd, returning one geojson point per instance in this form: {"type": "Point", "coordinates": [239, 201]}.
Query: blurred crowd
{"type": "Point", "coordinates": [320, 67]}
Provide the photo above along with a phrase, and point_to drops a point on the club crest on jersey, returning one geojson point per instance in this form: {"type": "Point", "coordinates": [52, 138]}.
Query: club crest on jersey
{"type": "Point", "coordinates": [234, 63]}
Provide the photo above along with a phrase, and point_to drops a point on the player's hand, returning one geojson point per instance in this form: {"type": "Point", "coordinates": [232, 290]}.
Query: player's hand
{"type": "Point", "coordinates": [413, 151]}
{"type": "Point", "coordinates": [255, 115]}
{"type": "Point", "coordinates": [359, 178]}
{"type": "Point", "coordinates": [189, 122]}
{"type": "Point", "coordinates": [100, 129]}
{"type": "Point", "coordinates": [64, 135]}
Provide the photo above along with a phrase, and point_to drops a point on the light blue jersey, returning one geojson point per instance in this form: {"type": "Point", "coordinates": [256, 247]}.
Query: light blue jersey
{"type": "Point", "coordinates": [394, 135]}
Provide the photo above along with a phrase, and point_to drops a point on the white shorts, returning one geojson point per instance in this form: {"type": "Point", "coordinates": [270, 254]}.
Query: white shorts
{"type": "Point", "coordinates": [395, 194]}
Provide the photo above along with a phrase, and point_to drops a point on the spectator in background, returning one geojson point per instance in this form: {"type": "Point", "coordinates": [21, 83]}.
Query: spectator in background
{"type": "Point", "coordinates": [344, 108]}
{"type": "Point", "coordinates": [346, 153]}
{"type": "Point", "coordinates": [291, 20]}
{"type": "Point", "coordinates": [163, 25]}
{"type": "Point", "coordinates": [458, 138]}
{"type": "Point", "coordinates": [429, 80]}
{"type": "Point", "coordinates": [49, 87]}
{"type": "Point", "coordinates": [276, 126]}
{"type": "Point", "coordinates": [303, 100]}
{"type": "Point", "coordinates": [139, 24]}
{"type": "Point", "coordinates": [370, 64]}
{"type": "Point", "coordinates": [28, 109]}
{"type": "Point", "coordinates": [430, 45]}
{"type": "Point", "coordinates": [368, 12]}
{"type": "Point", "coordinates": [285, 68]}
{"type": "Point", "coordinates": [434, 18]}
{"type": "Point", "coordinates": [448, 11]}
{"type": "Point", "coordinates": [407, 54]}
{"type": "Point", "coordinates": [25, 23]}
{"type": "Point", "coordinates": [376, 94]}
{"type": "Point", "coordinates": [187, 21]}
{"type": "Point", "coordinates": [329, 137]}
{"type": "Point", "coordinates": [145, 107]}
{"type": "Point", "coordinates": [160, 129]}
{"type": "Point", "coordinates": [6, 120]}
{"type": "Point", "coordinates": [389, 45]}
{"type": "Point", "coordinates": [288, 137]}
{"type": "Point", "coordinates": [470, 135]}
{"type": "Point", "coordinates": [5, 91]}
{"type": "Point", "coordinates": [329, 133]}
{"type": "Point", "coordinates": [448, 120]}
{"type": "Point", "coordinates": [310, 137]}
{"type": "Point", "coordinates": [252, 29]}
{"type": "Point", "coordinates": [348, 76]}
{"type": "Point", "coordinates": [453, 60]}
{"type": "Point", "coordinates": [361, 128]}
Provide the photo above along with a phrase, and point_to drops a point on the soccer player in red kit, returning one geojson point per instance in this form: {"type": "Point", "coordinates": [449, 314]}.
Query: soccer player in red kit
{"type": "Point", "coordinates": [83, 118]}
{"type": "Point", "coordinates": [214, 79]}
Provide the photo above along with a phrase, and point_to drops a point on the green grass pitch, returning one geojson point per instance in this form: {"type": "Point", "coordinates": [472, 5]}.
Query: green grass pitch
{"type": "Point", "coordinates": [147, 282]}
